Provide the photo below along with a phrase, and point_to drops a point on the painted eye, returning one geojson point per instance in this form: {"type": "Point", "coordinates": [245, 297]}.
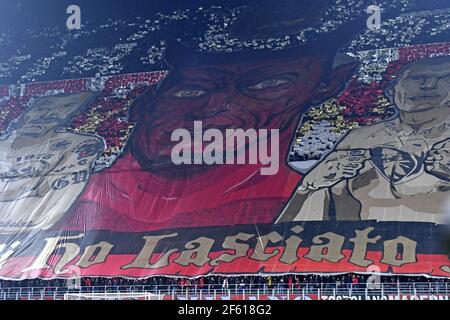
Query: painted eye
{"type": "Point", "coordinates": [272, 83]}
{"type": "Point", "coordinates": [417, 78]}
{"type": "Point", "coordinates": [189, 93]}
{"type": "Point", "coordinates": [45, 109]}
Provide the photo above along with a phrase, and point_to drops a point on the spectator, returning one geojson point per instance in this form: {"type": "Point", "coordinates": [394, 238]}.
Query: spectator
{"type": "Point", "coordinates": [290, 282]}
{"type": "Point", "coordinates": [269, 281]}
{"type": "Point", "coordinates": [225, 285]}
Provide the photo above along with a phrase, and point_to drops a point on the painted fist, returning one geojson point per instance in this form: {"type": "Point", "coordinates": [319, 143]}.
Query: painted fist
{"type": "Point", "coordinates": [338, 166]}
{"type": "Point", "coordinates": [437, 160]}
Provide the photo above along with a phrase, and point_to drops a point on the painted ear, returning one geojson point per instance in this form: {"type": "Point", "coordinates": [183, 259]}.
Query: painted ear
{"type": "Point", "coordinates": [389, 92]}
{"type": "Point", "coordinates": [138, 106]}
{"type": "Point", "coordinates": [335, 82]}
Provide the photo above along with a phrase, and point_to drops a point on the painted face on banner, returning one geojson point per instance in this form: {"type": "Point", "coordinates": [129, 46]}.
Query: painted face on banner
{"type": "Point", "coordinates": [45, 115]}
{"type": "Point", "coordinates": [260, 95]}
{"type": "Point", "coordinates": [423, 87]}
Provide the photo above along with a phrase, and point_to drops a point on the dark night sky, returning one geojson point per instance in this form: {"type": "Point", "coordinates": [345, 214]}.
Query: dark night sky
{"type": "Point", "coordinates": [22, 14]}
{"type": "Point", "coordinates": [18, 15]}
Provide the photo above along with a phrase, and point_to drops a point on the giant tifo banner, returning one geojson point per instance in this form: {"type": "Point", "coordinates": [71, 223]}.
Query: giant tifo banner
{"type": "Point", "coordinates": [298, 161]}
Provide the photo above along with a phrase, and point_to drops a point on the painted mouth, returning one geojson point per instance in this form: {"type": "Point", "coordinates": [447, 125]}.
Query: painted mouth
{"type": "Point", "coordinates": [45, 121]}
{"type": "Point", "coordinates": [34, 127]}
{"type": "Point", "coordinates": [424, 97]}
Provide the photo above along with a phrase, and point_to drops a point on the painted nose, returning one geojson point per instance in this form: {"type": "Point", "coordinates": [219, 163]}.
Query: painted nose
{"type": "Point", "coordinates": [224, 100]}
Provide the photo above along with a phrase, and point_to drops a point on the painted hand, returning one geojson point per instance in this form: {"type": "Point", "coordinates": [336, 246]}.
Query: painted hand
{"type": "Point", "coordinates": [338, 166]}
{"type": "Point", "coordinates": [437, 160]}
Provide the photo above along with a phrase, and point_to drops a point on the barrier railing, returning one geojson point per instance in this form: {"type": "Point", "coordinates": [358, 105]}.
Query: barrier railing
{"type": "Point", "coordinates": [255, 290]}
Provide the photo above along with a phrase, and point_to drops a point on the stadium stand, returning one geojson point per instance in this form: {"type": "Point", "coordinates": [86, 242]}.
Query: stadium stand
{"type": "Point", "coordinates": [278, 287]}
{"type": "Point", "coordinates": [121, 59]}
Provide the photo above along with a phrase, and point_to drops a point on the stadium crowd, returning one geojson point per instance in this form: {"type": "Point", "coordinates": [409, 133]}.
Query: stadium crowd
{"type": "Point", "coordinates": [230, 282]}
{"type": "Point", "coordinates": [120, 46]}
{"type": "Point", "coordinates": [135, 44]}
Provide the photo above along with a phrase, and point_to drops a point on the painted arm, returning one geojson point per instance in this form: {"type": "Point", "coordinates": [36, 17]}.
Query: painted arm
{"type": "Point", "coordinates": [312, 198]}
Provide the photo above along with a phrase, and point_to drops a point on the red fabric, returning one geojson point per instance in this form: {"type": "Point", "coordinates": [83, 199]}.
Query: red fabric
{"type": "Point", "coordinates": [126, 198]}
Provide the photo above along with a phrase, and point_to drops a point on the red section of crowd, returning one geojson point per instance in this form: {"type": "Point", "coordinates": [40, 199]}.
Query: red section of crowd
{"type": "Point", "coordinates": [361, 99]}
{"type": "Point", "coordinates": [410, 54]}
{"type": "Point", "coordinates": [63, 86]}
{"type": "Point", "coordinates": [107, 116]}
{"type": "Point", "coordinates": [11, 110]}
{"type": "Point", "coordinates": [149, 78]}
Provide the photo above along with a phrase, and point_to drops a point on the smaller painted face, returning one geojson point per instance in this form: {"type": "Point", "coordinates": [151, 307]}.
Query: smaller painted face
{"type": "Point", "coordinates": [47, 114]}
{"type": "Point", "coordinates": [423, 88]}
